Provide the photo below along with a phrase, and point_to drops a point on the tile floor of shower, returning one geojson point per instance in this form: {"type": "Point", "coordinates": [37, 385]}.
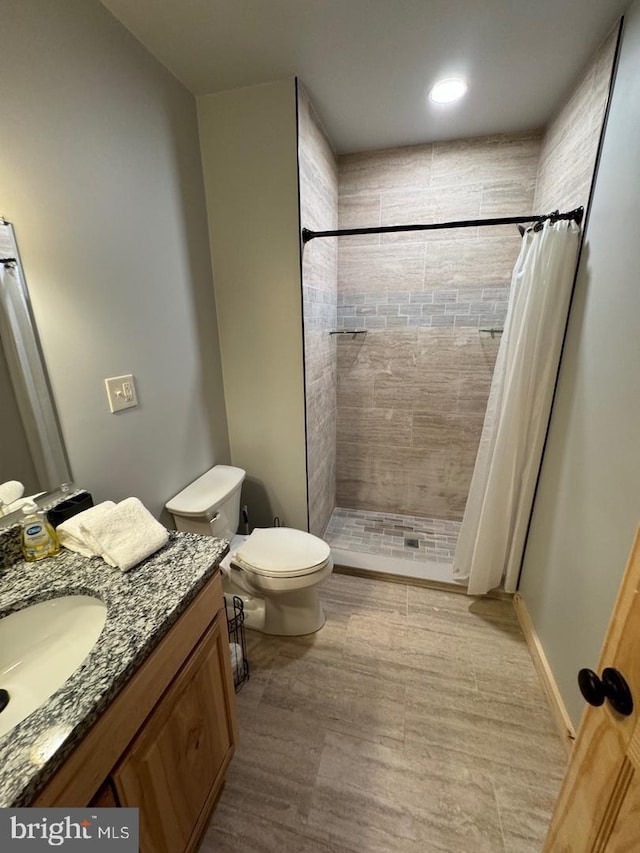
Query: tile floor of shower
{"type": "Point", "coordinates": [406, 545]}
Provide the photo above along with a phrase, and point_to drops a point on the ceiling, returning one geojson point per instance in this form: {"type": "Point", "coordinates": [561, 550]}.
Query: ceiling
{"type": "Point", "coordinates": [368, 64]}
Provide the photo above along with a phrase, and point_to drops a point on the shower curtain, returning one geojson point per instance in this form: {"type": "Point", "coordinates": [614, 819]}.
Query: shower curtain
{"type": "Point", "coordinates": [496, 516]}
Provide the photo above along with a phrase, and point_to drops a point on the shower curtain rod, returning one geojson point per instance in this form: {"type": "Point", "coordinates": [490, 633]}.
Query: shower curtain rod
{"type": "Point", "coordinates": [576, 215]}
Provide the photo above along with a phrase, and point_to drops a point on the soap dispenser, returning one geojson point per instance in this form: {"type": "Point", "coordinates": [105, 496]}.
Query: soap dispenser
{"type": "Point", "coordinates": [38, 538]}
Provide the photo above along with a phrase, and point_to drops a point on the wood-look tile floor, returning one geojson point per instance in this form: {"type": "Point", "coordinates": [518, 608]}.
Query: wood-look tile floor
{"type": "Point", "coordinates": [412, 722]}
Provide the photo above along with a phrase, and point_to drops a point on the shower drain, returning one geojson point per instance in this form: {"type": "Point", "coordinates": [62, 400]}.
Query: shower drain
{"type": "Point", "coordinates": [411, 543]}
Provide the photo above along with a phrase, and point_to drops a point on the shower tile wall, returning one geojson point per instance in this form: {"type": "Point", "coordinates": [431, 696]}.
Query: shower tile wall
{"type": "Point", "coordinates": [571, 140]}
{"type": "Point", "coordinates": [318, 211]}
{"type": "Point", "coordinates": [412, 392]}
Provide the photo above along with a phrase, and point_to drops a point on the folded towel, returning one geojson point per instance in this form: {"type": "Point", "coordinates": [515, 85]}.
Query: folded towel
{"type": "Point", "coordinates": [10, 492]}
{"type": "Point", "coordinates": [127, 534]}
{"type": "Point", "coordinates": [72, 536]}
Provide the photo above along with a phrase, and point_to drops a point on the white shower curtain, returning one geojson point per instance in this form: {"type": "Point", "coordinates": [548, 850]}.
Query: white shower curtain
{"type": "Point", "coordinates": [494, 526]}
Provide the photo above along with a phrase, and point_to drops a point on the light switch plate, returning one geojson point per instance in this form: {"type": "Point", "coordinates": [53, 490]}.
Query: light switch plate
{"type": "Point", "coordinates": [121, 392]}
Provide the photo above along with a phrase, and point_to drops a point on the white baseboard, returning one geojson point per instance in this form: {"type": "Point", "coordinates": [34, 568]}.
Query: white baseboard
{"type": "Point", "coordinates": [554, 697]}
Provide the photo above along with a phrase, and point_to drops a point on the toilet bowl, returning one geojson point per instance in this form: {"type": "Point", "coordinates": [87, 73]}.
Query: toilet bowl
{"type": "Point", "coordinates": [279, 569]}
{"type": "Point", "coordinates": [275, 571]}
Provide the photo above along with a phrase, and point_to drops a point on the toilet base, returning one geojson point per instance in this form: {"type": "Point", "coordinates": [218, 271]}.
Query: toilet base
{"type": "Point", "coordinates": [294, 614]}
{"type": "Point", "coordinates": [287, 614]}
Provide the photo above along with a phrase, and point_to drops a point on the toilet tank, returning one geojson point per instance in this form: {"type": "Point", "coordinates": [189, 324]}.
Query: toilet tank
{"type": "Point", "coordinates": [211, 504]}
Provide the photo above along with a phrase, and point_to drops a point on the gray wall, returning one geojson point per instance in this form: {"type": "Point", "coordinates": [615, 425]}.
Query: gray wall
{"type": "Point", "coordinates": [100, 173]}
{"type": "Point", "coordinates": [588, 502]}
{"type": "Point", "coordinates": [249, 147]}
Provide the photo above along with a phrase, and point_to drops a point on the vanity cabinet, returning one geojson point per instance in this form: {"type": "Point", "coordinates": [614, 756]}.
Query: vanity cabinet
{"type": "Point", "coordinates": [105, 798]}
{"type": "Point", "coordinates": [165, 742]}
{"type": "Point", "coordinates": [172, 770]}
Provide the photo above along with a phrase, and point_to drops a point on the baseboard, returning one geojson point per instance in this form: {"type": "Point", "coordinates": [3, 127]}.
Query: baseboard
{"type": "Point", "coordinates": [556, 704]}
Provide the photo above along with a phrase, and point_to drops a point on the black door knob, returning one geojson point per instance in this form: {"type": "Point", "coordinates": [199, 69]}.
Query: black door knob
{"type": "Point", "coordinates": [617, 690]}
{"type": "Point", "coordinates": [591, 687]}
{"type": "Point", "coordinates": [611, 686]}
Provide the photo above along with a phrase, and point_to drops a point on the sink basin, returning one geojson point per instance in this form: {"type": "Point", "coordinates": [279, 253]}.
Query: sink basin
{"type": "Point", "coordinates": [40, 647]}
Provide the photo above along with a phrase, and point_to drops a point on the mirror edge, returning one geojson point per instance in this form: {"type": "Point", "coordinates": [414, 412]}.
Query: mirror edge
{"type": "Point", "coordinates": [30, 380]}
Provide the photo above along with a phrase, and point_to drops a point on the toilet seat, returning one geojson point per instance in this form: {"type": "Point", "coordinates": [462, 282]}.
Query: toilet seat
{"type": "Point", "coordinates": [282, 552]}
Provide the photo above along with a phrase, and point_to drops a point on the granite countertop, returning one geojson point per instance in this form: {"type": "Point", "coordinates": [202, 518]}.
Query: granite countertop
{"type": "Point", "coordinates": [141, 606]}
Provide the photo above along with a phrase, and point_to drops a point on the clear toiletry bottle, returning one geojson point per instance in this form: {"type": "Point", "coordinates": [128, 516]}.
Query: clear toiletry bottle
{"type": "Point", "coordinates": [38, 538]}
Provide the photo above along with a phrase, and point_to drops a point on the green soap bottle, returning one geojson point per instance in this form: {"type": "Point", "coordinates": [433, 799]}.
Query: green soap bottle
{"type": "Point", "coordinates": [38, 538]}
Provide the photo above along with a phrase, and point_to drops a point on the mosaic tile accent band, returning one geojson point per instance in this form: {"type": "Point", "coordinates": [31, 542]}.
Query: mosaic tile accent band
{"type": "Point", "coordinates": [389, 534]}
{"type": "Point", "coordinates": [483, 306]}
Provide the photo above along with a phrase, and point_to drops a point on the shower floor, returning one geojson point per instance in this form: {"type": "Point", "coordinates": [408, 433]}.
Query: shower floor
{"type": "Point", "coordinates": [396, 544]}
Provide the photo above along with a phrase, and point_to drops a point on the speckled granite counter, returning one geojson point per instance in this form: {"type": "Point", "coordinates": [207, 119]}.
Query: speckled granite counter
{"type": "Point", "coordinates": [141, 606]}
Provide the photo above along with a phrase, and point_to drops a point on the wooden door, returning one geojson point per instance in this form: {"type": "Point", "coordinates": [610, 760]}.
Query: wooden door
{"type": "Point", "coordinates": [599, 804]}
{"type": "Point", "coordinates": [176, 765]}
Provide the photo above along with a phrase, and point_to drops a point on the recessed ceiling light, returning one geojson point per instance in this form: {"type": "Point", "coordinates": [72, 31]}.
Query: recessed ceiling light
{"type": "Point", "coordinates": [447, 91]}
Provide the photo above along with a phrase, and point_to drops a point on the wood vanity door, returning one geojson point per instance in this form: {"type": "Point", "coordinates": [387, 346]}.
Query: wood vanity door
{"type": "Point", "coordinates": [174, 768]}
{"type": "Point", "coordinates": [104, 798]}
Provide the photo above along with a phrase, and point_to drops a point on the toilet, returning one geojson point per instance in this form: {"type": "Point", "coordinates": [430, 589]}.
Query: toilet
{"type": "Point", "coordinates": [275, 571]}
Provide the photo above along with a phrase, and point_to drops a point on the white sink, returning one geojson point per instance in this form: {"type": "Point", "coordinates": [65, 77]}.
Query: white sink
{"type": "Point", "coordinates": [41, 646]}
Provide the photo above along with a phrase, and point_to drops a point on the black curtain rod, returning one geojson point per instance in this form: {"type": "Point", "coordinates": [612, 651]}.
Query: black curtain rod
{"type": "Point", "coordinates": [576, 215]}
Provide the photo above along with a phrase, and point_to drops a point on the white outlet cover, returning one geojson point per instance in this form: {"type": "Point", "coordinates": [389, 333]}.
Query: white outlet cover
{"type": "Point", "coordinates": [121, 392]}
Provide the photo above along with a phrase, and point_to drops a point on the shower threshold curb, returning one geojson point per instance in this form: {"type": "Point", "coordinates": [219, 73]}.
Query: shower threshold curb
{"type": "Point", "coordinates": [393, 565]}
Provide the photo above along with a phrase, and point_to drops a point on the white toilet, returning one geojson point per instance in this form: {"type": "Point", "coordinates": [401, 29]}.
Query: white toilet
{"type": "Point", "coordinates": [275, 570]}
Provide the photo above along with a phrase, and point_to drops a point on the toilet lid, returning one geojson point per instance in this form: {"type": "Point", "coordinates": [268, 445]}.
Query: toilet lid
{"type": "Point", "coordinates": [282, 551]}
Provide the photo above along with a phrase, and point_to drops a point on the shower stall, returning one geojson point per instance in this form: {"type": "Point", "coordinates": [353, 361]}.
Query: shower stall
{"type": "Point", "coordinates": [395, 408]}
{"type": "Point", "coordinates": [414, 361]}
{"type": "Point", "coordinates": [401, 335]}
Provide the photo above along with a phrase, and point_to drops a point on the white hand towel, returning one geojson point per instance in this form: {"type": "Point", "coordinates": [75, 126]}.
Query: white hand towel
{"type": "Point", "coordinates": [72, 536]}
{"type": "Point", "coordinates": [127, 534]}
{"type": "Point", "coordinates": [11, 491]}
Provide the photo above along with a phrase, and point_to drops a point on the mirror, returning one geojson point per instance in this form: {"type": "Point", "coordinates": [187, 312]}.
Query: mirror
{"type": "Point", "coordinates": [31, 445]}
